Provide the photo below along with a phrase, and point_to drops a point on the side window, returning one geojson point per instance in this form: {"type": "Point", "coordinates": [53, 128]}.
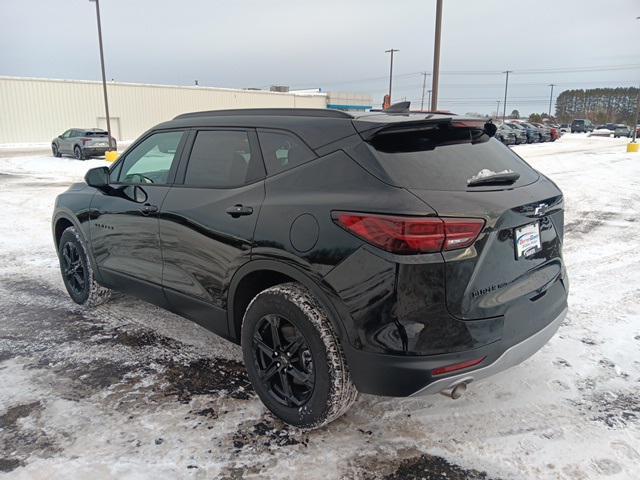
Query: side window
{"type": "Point", "coordinates": [67, 134]}
{"type": "Point", "coordinates": [75, 133]}
{"type": "Point", "coordinates": [151, 160]}
{"type": "Point", "coordinates": [221, 159]}
{"type": "Point", "coordinates": [282, 151]}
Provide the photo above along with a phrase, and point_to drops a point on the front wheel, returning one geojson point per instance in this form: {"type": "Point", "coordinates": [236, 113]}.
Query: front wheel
{"type": "Point", "coordinates": [55, 150]}
{"type": "Point", "coordinates": [77, 272]}
{"type": "Point", "coordinates": [294, 359]}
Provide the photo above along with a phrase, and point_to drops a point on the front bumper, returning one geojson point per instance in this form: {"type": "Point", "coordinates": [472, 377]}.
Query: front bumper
{"type": "Point", "coordinates": [403, 376]}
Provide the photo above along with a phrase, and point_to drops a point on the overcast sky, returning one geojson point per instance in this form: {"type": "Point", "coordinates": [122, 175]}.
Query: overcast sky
{"type": "Point", "coordinates": [335, 45]}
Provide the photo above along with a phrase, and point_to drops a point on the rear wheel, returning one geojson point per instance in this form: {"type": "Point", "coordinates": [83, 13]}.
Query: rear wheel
{"type": "Point", "coordinates": [294, 359]}
{"type": "Point", "coordinates": [77, 272]}
{"type": "Point", "coordinates": [77, 152]}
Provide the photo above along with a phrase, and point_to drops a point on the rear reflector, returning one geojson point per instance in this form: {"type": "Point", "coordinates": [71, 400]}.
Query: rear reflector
{"type": "Point", "coordinates": [457, 366]}
{"type": "Point", "coordinates": [410, 235]}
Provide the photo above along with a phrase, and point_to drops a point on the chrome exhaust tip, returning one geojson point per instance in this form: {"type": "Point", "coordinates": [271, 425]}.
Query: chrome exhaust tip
{"type": "Point", "coordinates": [456, 391]}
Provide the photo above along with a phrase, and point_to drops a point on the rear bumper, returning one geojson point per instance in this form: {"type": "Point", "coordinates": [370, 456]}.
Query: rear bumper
{"type": "Point", "coordinates": [403, 376]}
{"type": "Point", "coordinates": [95, 150]}
{"type": "Point", "coordinates": [511, 357]}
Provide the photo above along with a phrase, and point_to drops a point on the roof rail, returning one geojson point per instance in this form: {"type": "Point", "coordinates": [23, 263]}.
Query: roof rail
{"type": "Point", "coordinates": [284, 112]}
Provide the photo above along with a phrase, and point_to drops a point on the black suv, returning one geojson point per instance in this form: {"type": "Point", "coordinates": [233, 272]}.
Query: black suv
{"type": "Point", "coordinates": [391, 254]}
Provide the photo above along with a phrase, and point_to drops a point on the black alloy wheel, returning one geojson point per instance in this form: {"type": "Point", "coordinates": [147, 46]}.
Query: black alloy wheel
{"type": "Point", "coordinates": [283, 360]}
{"type": "Point", "coordinates": [73, 270]}
{"type": "Point", "coordinates": [78, 153]}
{"type": "Point", "coordinates": [54, 149]}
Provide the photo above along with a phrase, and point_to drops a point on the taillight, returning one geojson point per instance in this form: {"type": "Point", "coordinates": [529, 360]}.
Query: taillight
{"type": "Point", "coordinates": [461, 232]}
{"type": "Point", "coordinates": [407, 235]}
{"type": "Point", "coordinates": [85, 141]}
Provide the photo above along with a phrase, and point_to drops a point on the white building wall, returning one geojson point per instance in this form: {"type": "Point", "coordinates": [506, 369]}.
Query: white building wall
{"type": "Point", "coordinates": [35, 110]}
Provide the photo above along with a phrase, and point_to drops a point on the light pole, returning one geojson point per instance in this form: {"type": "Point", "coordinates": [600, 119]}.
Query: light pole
{"type": "Point", "coordinates": [635, 121]}
{"type": "Point", "coordinates": [506, 87]}
{"type": "Point", "coordinates": [498, 110]}
{"type": "Point", "coordinates": [429, 99]}
{"type": "Point", "coordinates": [104, 77]}
{"type": "Point", "coordinates": [391, 51]}
{"type": "Point", "coordinates": [551, 97]}
{"type": "Point", "coordinates": [436, 57]}
{"type": "Point", "coordinates": [424, 85]}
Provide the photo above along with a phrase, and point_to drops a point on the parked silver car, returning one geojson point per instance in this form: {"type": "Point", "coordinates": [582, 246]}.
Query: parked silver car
{"type": "Point", "coordinates": [621, 130]}
{"type": "Point", "coordinates": [82, 143]}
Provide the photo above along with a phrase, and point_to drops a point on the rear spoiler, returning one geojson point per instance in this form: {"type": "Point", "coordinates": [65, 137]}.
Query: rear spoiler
{"type": "Point", "coordinates": [368, 130]}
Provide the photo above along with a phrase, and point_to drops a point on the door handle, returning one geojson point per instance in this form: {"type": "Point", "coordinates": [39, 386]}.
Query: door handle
{"type": "Point", "coordinates": [147, 209]}
{"type": "Point", "coordinates": [239, 210]}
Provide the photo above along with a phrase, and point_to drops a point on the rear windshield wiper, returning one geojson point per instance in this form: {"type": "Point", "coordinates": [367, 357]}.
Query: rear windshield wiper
{"type": "Point", "coordinates": [500, 178]}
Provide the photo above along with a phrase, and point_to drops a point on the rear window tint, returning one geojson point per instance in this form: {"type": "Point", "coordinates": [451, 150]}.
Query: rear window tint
{"type": "Point", "coordinates": [445, 158]}
{"type": "Point", "coordinates": [282, 151]}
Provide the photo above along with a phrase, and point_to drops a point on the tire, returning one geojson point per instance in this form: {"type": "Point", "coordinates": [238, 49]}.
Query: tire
{"type": "Point", "coordinates": [77, 271]}
{"type": "Point", "coordinates": [316, 372]}
{"type": "Point", "coordinates": [77, 152]}
{"type": "Point", "coordinates": [55, 151]}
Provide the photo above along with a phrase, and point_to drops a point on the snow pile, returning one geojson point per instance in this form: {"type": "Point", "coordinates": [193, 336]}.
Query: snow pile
{"type": "Point", "coordinates": [485, 172]}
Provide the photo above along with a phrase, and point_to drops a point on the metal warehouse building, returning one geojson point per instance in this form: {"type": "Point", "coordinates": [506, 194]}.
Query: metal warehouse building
{"type": "Point", "coordinates": [34, 110]}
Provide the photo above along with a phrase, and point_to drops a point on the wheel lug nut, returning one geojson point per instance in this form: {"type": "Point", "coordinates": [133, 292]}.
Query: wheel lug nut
{"type": "Point", "coordinates": [277, 364]}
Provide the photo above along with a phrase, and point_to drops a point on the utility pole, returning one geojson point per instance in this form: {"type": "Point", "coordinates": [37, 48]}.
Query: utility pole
{"type": "Point", "coordinates": [551, 97]}
{"type": "Point", "coordinates": [436, 57]}
{"type": "Point", "coordinates": [498, 110]}
{"type": "Point", "coordinates": [391, 51]}
{"type": "Point", "coordinates": [506, 87]}
{"type": "Point", "coordinates": [429, 99]}
{"type": "Point", "coordinates": [104, 77]}
{"type": "Point", "coordinates": [635, 121]}
{"type": "Point", "coordinates": [424, 85]}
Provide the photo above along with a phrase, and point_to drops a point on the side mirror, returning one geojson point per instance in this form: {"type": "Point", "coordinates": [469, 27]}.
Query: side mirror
{"type": "Point", "coordinates": [97, 177]}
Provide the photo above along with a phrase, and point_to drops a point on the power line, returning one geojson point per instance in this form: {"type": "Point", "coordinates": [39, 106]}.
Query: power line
{"type": "Point", "coordinates": [557, 70]}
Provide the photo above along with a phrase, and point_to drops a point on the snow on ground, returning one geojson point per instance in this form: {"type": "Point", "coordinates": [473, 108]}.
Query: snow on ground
{"type": "Point", "coordinates": [131, 391]}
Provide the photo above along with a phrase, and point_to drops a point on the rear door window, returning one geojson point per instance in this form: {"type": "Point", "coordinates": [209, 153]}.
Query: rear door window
{"type": "Point", "coordinates": [445, 158]}
{"type": "Point", "coordinates": [222, 159]}
{"type": "Point", "coordinates": [282, 151]}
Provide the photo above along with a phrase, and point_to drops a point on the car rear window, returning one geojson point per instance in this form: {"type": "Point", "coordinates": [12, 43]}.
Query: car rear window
{"type": "Point", "coordinates": [445, 158]}
{"type": "Point", "coordinates": [95, 134]}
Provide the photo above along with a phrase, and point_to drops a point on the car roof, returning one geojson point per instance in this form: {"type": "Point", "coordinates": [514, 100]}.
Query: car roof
{"type": "Point", "coordinates": [318, 127]}
{"type": "Point", "coordinates": [86, 129]}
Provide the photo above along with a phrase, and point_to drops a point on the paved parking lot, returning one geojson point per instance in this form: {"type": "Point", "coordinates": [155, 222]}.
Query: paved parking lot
{"type": "Point", "coordinates": [129, 391]}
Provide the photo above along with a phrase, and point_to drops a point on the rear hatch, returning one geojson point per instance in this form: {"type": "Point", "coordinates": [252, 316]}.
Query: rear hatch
{"type": "Point", "coordinates": [96, 138]}
{"type": "Point", "coordinates": [517, 257]}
